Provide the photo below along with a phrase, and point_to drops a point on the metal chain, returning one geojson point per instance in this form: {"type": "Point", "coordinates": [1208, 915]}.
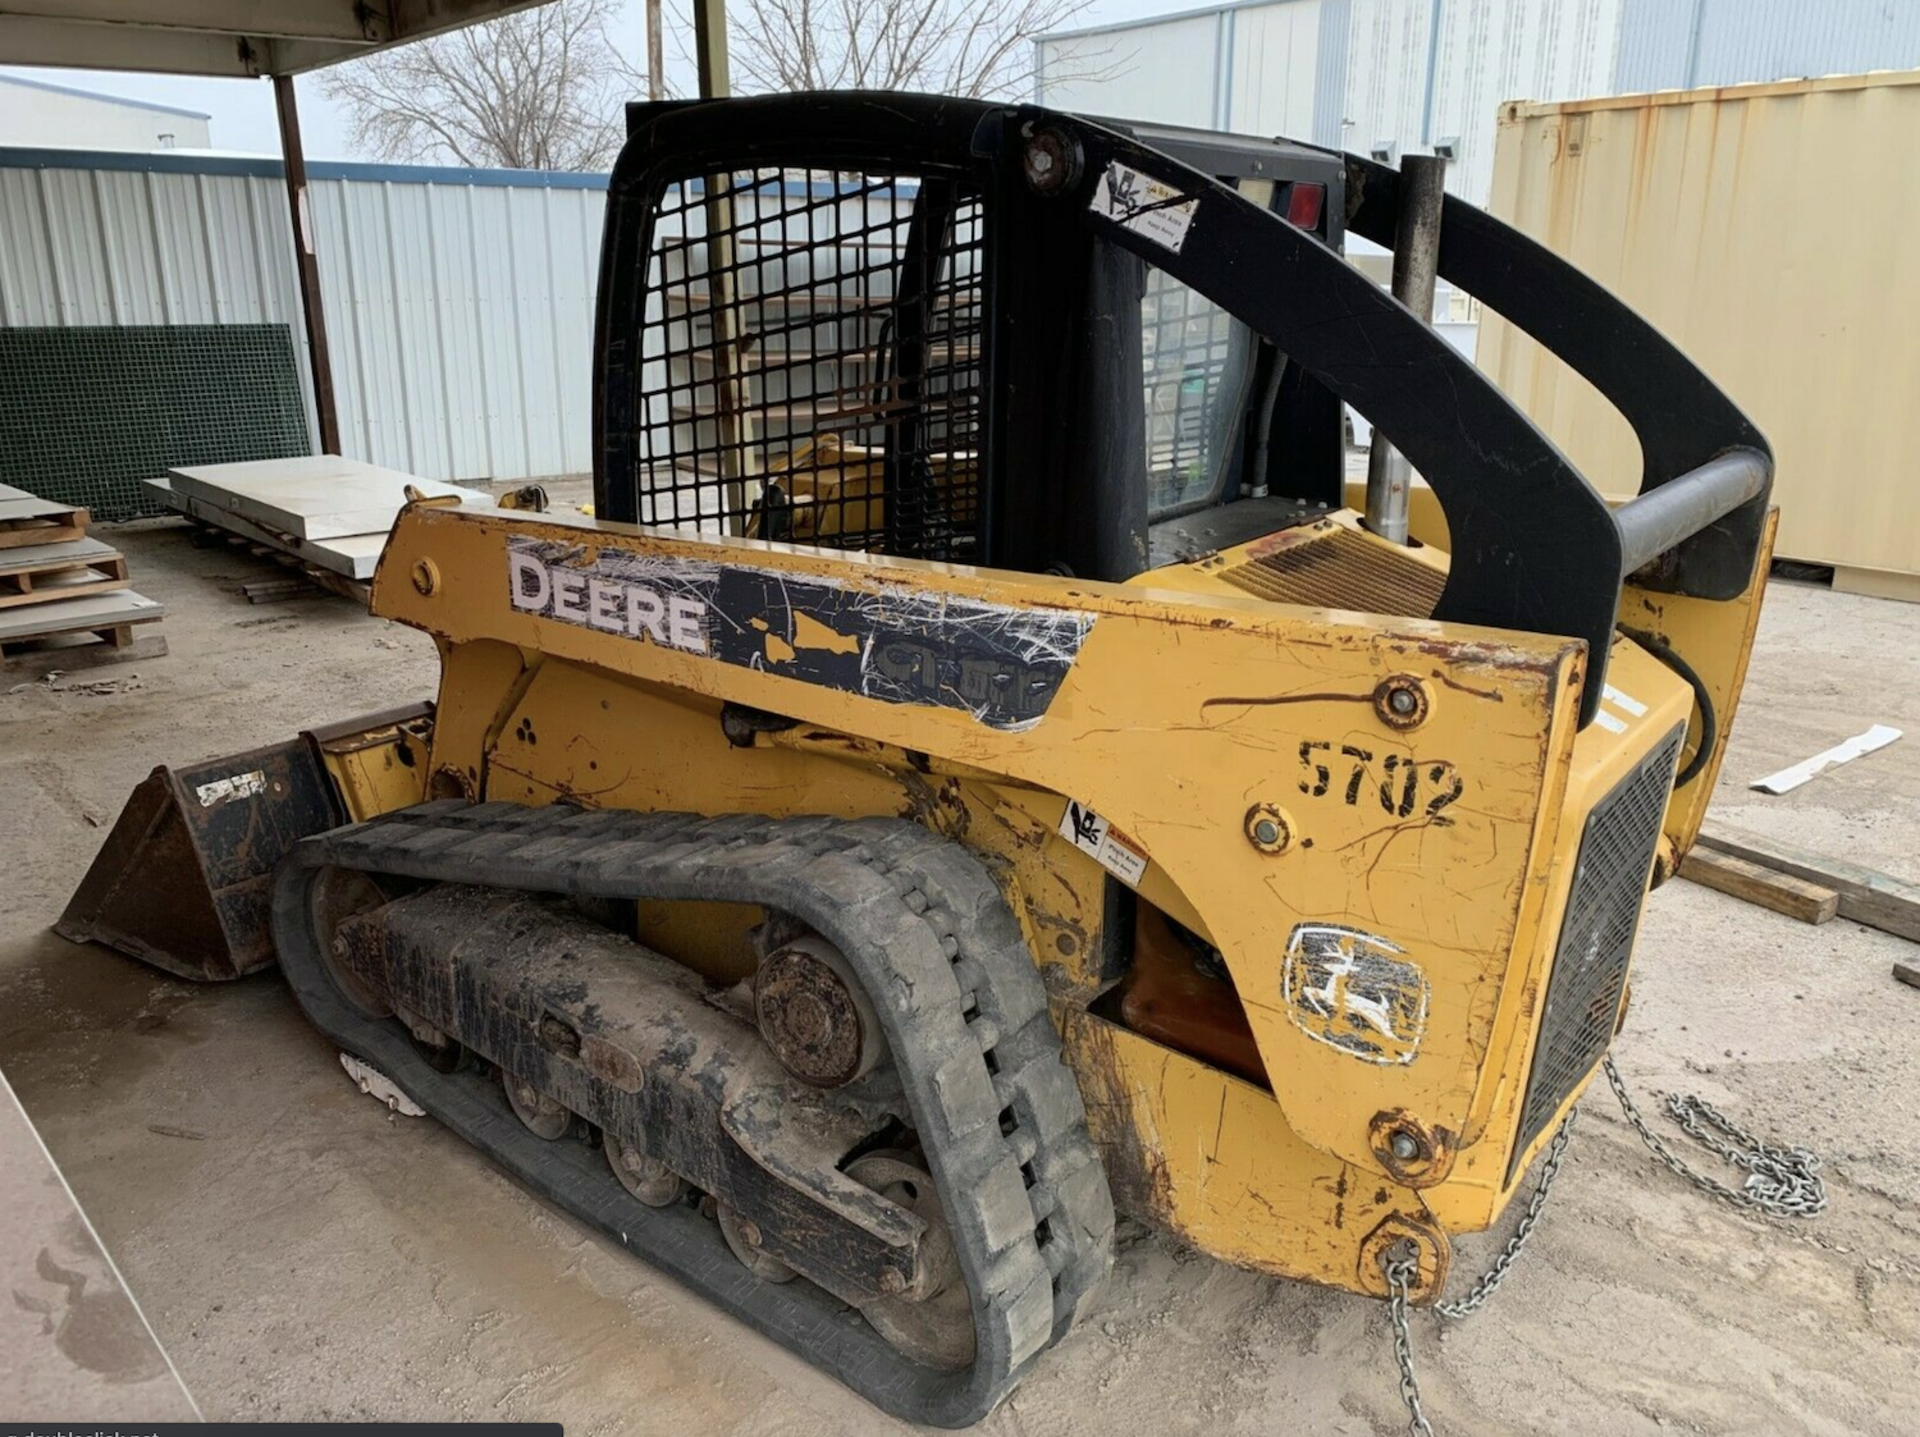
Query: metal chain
{"type": "Point", "coordinates": [1491, 1279]}
{"type": "Point", "coordinates": [1781, 1182]}
{"type": "Point", "coordinates": [1402, 1265]}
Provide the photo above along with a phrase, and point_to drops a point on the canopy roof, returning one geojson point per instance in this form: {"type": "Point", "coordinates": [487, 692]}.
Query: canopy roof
{"type": "Point", "coordinates": [241, 38]}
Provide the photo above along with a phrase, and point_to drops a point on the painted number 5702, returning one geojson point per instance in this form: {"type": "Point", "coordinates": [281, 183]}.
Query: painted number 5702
{"type": "Point", "coordinates": [1405, 786]}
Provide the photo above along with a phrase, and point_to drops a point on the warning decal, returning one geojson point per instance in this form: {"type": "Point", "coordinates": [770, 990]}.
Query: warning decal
{"type": "Point", "coordinates": [1101, 841]}
{"type": "Point", "coordinates": [1150, 208]}
{"type": "Point", "coordinates": [224, 790]}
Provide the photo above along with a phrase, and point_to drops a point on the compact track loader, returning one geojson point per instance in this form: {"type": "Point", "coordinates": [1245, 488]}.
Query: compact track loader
{"type": "Point", "coordinates": [975, 774]}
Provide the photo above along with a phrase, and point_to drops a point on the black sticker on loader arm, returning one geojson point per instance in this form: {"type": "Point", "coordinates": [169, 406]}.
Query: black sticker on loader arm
{"type": "Point", "coordinates": [1000, 663]}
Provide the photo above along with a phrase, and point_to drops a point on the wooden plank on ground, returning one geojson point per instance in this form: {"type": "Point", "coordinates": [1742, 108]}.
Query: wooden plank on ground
{"type": "Point", "coordinates": [1753, 883]}
{"type": "Point", "coordinates": [1907, 974]}
{"type": "Point", "coordinates": [1867, 895]}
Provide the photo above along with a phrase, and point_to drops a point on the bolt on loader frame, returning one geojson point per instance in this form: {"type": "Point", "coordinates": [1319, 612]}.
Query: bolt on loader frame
{"type": "Point", "coordinates": [1027, 780]}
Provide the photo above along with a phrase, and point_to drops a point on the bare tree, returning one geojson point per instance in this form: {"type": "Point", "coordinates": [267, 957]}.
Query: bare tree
{"type": "Point", "coordinates": [977, 48]}
{"type": "Point", "coordinates": [543, 89]}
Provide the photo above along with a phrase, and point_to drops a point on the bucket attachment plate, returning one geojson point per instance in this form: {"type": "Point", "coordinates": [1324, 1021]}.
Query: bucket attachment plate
{"type": "Point", "coordinates": [184, 880]}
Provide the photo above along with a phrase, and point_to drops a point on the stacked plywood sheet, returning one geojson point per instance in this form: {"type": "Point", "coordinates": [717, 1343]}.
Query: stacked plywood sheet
{"type": "Point", "coordinates": [57, 583]}
{"type": "Point", "coordinates": [329, 515]}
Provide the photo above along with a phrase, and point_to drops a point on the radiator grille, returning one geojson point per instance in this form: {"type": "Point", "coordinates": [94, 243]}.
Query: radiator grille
{"type": "Point", "coordinates": [1339, 568]}
{"type": "Point", "coordinates": [1596, 938]}
{"type": "Point", "coordinates": [813, 361]}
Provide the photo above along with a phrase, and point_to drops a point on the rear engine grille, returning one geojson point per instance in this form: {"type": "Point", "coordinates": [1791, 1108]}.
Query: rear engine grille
{"type": "Point", "coordinates": [1596, 938]}
{"type": "Point", "coordinates": [1338, 568]}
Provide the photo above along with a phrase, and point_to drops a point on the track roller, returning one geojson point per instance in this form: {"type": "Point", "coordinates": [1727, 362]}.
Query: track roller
{"type": "Point", "coordinates": [648, 1179]}
{"type": "Point", "coordinates": [544, 1117]}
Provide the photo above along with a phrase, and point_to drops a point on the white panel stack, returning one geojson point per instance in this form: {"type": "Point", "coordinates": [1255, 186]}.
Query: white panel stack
{"type": "Point", "coordinates": [324, 510]}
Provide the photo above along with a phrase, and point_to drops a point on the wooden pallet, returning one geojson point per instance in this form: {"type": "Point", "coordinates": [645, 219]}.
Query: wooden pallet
{"type": "Point", "coordinates": [39, 573]}
{"type": "Point", "coordinates": [110, 619]}
{"type": "Point", "coordinates": [25, 519]}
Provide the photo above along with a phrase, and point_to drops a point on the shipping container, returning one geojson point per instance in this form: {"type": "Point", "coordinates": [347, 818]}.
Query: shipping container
{"type": "Point", "coordinates": [1768, 230]}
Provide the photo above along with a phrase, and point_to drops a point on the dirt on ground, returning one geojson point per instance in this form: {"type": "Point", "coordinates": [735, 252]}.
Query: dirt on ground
{"type": "Point", "coordinates": [303, 1254]}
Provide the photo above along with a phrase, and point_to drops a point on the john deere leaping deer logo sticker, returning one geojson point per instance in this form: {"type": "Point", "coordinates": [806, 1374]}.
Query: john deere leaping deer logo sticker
{"type": "Point", "coordinates": [1355, 991]}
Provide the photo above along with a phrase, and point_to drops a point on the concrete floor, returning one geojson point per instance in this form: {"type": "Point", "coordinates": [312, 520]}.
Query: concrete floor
{"type": "Point", "coordinates": [304, 1255]}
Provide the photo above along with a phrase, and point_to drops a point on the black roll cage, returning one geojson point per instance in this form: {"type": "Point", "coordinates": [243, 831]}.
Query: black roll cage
{"type": "Point", "coordinates": [1535, 548]}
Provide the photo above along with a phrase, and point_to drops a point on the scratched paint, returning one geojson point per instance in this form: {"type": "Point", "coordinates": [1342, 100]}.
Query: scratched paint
{"type": "Point", "coordinates": [1001, 663]}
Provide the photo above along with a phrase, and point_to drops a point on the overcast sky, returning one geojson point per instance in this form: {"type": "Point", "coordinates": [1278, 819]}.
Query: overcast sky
{"type": "Point", "coordinates": [242, 110]}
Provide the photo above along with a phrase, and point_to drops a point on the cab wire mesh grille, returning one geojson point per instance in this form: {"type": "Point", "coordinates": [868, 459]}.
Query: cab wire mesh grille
{"type": "Point", "coordinates": [813, 362]}
{"type": "Point", "coordinates": [1596, 939]}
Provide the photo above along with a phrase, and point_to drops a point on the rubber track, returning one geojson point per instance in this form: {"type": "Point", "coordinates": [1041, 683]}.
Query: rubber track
{"type": "Point", "coordinates": [998, 1113]}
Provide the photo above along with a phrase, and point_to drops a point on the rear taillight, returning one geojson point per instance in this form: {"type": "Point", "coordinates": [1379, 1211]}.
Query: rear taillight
{"type": "Point", "coordinates": [1304, 203]}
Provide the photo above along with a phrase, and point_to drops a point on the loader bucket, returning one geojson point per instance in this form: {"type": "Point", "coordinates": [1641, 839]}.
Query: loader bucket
{"type": "Point", "coordinates": [184, 880]}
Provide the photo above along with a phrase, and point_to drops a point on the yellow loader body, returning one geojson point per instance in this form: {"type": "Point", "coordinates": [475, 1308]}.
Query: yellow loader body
{"type": "Point", "coordinates": [1448, 846]}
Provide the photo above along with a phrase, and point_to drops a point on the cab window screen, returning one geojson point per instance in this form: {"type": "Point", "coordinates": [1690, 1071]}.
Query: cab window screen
{"type": "Point", "coordinates": [812, 361]}
{"type": "Point", "coordinates": [1198, 363]}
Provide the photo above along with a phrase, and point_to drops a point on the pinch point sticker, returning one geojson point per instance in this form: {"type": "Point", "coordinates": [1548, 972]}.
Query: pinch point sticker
{"type": "Point", "coordinates": [1101, 841]}
{"type": "Point", "coordinates": [1152, 209]}
{"type": "Point", "coordinates": [1355, 991]}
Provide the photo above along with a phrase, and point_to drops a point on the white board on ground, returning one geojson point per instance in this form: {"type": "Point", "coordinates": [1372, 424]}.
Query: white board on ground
{"type": "Point", "coordinates": [77, 616]}
{"type": "Point", "coordinates": [314, 496]}
{"type": "Point", "coordinates": [1788, 779]}
{"type": "Point", "coordinates": [354, 556]}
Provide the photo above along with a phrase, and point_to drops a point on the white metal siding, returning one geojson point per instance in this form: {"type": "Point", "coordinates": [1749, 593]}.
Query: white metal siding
{"type": "Point", "coordinates": [1274, 59]}
{"type": "Point", "coordinates": [1496, 50]}
{"type": "Point", "coordinates": [1387, 72]}
{"type": "Point", "coordinates": [1165, 72]}
{"type": "Point", "coordinates": [36, 113]}
{"type": "Point", "coordinates": [1408, 73]}
{"type": "Point", "coordinates": [459, 315]}
{"type": "Point", "coordinates": [1677, 44]}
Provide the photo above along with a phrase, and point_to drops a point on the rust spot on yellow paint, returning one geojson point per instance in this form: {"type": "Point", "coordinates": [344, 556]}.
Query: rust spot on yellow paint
{"type": "Point", "coordinates": [1288, 539]}
{"type": "Point", "coordinates": [1453, 683]}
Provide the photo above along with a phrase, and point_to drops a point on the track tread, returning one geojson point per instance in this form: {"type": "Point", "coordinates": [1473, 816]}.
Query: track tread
{"type": "Point", "coordinates": [957, 988]}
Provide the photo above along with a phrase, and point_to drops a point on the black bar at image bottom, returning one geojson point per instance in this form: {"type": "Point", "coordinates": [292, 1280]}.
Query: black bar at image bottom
{"type": "Point", "coordinates": [278, 1429]}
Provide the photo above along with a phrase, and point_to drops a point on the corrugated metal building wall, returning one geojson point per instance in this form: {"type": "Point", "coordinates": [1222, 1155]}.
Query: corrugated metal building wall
{"type": "Point", "coordinates": [1411, 74]}
{"type": "Point", "coordinates": [459, 302]}
{"type": "Point", "coordinates": [1678, 44]}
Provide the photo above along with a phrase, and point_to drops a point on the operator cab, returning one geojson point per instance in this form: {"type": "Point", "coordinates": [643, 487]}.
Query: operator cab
{"type": "Point", "coordinates": [823, 352]}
